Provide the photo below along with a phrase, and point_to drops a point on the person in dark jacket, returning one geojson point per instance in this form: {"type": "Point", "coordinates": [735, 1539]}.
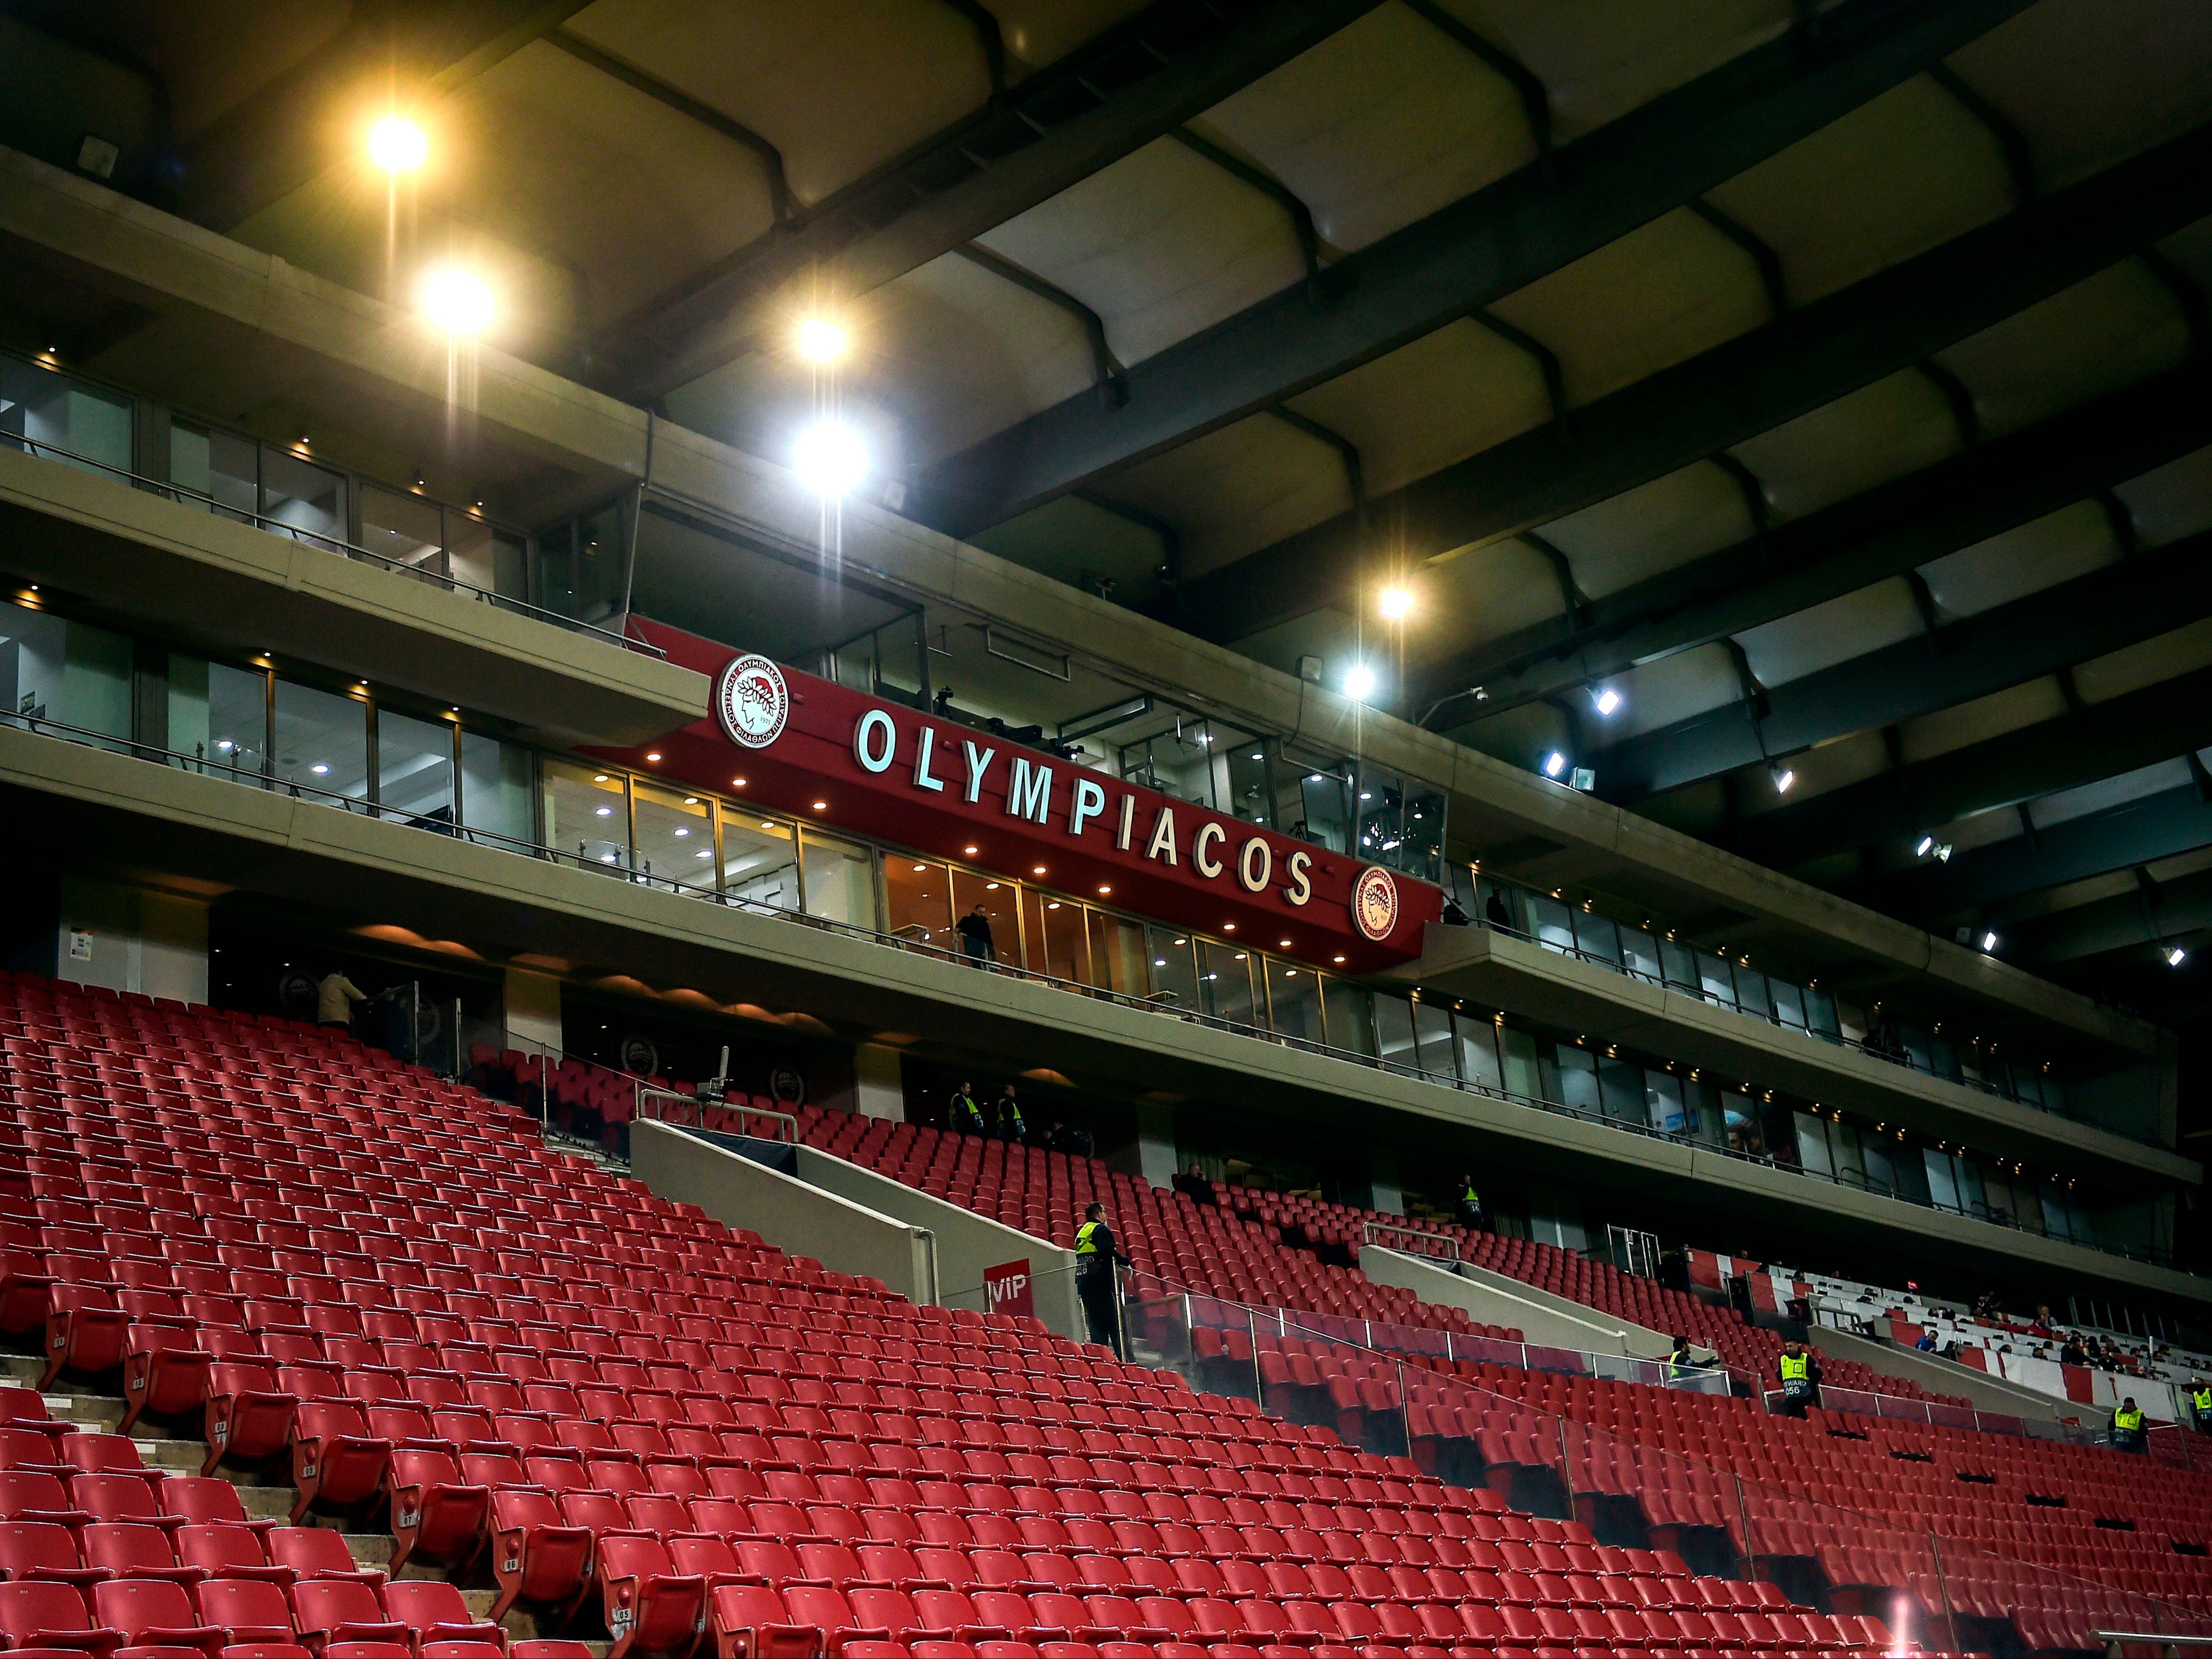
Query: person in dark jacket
{"type": "Point", "coordinates": [975, 941]}
{"type": "Point", "coordinates": [1096, 1283]}
{"type": "Point", "coordinates": [1010, 1125]}
{"type": "Point", "coordinates": [1799, 1372]}
{"type": "Point", "coordinates": [963, 1115]}
{"type": "Point", "coordinates": [1495, 913]}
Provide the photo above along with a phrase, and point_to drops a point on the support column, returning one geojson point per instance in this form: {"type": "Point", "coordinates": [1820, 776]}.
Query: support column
{"type": "Point", "coordinates": [1384, 1194]}
{"type": "Point", "coordinates": [131, 938]}
{"type": "Point", "coordinates": [531, 1005]}
{"type": "Point", "coordinates": [1156, 1142]}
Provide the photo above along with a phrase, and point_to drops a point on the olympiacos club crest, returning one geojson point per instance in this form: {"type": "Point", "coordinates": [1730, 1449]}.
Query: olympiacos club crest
{"type": "Point", "coordinates": [753, 703]}
{"type": "Point", "coordinates": [1374, 903]}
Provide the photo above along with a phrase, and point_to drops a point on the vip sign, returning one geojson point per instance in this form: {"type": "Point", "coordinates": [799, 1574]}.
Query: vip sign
{"type": "Point", "coordinates": [837, 759]}
{"type": "Point", "coordinates": [1009, 1289]}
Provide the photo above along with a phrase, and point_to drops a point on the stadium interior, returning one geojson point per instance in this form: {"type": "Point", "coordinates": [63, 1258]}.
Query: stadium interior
{"type": "Point", "coordinates": [1105, 829]}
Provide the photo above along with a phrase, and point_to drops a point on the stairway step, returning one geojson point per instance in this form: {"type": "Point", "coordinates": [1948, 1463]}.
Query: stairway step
{"type": "Point", "coordinates": [371, 1549]}
{"type": "Point", "coordinates": [267, 1503]}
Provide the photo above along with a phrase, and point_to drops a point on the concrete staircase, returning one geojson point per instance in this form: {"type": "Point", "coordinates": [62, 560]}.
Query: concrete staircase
{"type": "Point", "coordinates": [103, 1413]}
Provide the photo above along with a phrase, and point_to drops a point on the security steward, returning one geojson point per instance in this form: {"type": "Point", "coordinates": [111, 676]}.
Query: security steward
{"type": "Point", "coordinates": [1800, 1375]}
{"type": "Point", "coordinates": [2127, 1434]}
{"type": "Point", "coordinates": [1470, 1206]}
{"type": "Point", "coordinates": [1680, 1359]}
{"type": "Point", "coordinates": [1011, 1129]}
{"type": "Point", "coordinates": [2200, 1405]}
{"type": "Point", "coordinates": [1096, 1281]}
{"type": "Point", "coordinates": [965, 1115]}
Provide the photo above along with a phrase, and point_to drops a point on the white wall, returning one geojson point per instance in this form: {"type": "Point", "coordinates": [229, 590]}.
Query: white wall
{"type": "Point", "coordinates": [532, 1009]}
{"type": "Point", "coordinates": [132, 939]}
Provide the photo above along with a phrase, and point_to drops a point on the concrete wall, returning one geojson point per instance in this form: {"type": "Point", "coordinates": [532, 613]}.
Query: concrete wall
{"type": "Point", "coordinates": [1540, 1317]}
{"type": "Point", "coordinates": [792, 1215]}
{"type": "Point", "coordinates": [131, 938]}
{"type": "Point", "coordinates": [1936, 1376]}
{"type": "Point", "coordinates": [530, 1006]}
{"type": "Point", "coordinates": [966, 1242]}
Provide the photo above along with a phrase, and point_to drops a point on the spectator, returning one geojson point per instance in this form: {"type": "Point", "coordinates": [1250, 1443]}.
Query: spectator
{"type": "Point", "coordinates": [2200, 1405]}
{"type": "Point", "coordinates": [975, 942]}
{"type": "Point", "coordinates": [1096, 1283]}
{"type": "Point", "coordinates": [1927, 1342]}
{"type": "Point", "coordinates": [2127, 1434]}
{"type": "Point", "coordinates": [1682, 1357]}
{"type": "Point", "coordinates": [964, 1115]}
{"type": "Point", "coordinates": [1454, 916]}
{"type": "Point", "coordinates": [334, 1000]}
{"type": "Point", "coordinates": [1495, 913]}
{"type": "Point", "coordinates": [1799, 1371]}
{"type": "Point", "coordinates": [1010, 1127]}
{"type": "Point", "coordinates": [1194, 1185]}
{"type": "Point", "coordinates": [1469, 1208]}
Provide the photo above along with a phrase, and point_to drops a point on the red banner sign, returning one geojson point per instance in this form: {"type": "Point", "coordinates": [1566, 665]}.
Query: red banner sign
{"type": "Point", "coordinates": [827, 755]}
{"type": "Point", "coordinates": [1009, 1289]}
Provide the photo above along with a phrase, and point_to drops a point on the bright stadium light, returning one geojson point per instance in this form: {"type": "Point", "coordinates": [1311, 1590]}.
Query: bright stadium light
{"type": "Point", "coordinates": [1926, 846]}
{"type": "Point", "coordinates": [1554, 763]}
{"type": "Point", "coordinates": [1396, 604]}
{"type": "Point", "coordinates": [457, 301]}
{"type": "Point", "coordinates": [2175, 956]}
{"type": "Point", "coordinates": [398, 145]}
{"type": "Point", "coordinates": [1783, 777]}
{"type": "Point", "coordinates": [1607, 701]}
{"type": "Point", "coordinates": [829, 458]}
{"type": "Point", "coordinates": [1359, 682]}
{"type": "Point", "coordinates": [821, 342]}
{"type": "Point", "coordinates": [1989, 941]}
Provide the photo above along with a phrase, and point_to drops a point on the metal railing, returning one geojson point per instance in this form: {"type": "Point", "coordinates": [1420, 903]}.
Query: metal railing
{"type": "Point", "coordinates": [611, 868]}
{"type": "Point", "coordinates": [337, 544]}
{"type": "Point", "coordinates": [1435, 1247]}
{"type": "Point", "coordinates": [689, 1112]}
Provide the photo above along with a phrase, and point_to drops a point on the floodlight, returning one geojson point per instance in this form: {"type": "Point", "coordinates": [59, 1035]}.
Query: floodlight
{"type": "Point", "coordinates": [2175, 956]}
{"type": "Point", "coordinates": [1608, 700]}
{"type": "Point", "coordinates": [829, 458]}
{"type": "Point", "coordinates": [1926, 846]}
{"type": "Point", "coordinates": [1989, 941]}
{"type": "Point", "coordinates": [1396, 604]}
{"type": "Point", "coordinates": [1783, 777]}
{"type": "Point", "coordinates": [821, 342]}
{"type": "Point", "coordinates": [398, 145]}
{"type": "Point", "coordinates": [1554, 763]}
{"type": "Point", "coordinates": [1359, 682]}
{"type": "Point", "coordinates": [457, 301]}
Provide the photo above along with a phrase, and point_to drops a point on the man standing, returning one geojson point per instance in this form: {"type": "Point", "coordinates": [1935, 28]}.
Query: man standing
{"type": "Point", "coordinates": [1470, 1206]}
{"type": "Point", "coordinates": [1097, 1284]}
{"type": "Point", "coordinates": [2200, 1405]}
{"type": "Point", "coordinates": [1800, 1374]}
{"type": "Point", "coordinates": [964, 1115]}
{"type": "Point", "coordinates": [975, 942]}
{"type": "Point", "coordinates": [334, 1000]}
{"type": "Point", "coordinates": [1011, 1129]}
{"type": "Point", "coordinates": [2127, 1434]}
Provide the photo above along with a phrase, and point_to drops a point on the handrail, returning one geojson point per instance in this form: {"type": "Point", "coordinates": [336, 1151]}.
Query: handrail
{"type": "Point", "coordinates": [695, 1107]}
{"type": "Point", "coordinates": [610, 866]}
{"type": "Point", "coordinates": [336, 543]}
{"type": "Point", "coordinates": [2114, 1639]}
{"type": "Point", "coordinates": [1381, 1232]}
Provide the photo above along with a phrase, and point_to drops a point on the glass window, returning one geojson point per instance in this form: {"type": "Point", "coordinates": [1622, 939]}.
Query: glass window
{"type": "Point", "coordinates": [1052, 932]}
{"type": "Point", "coordinates": [414, 770]}
{"type": "Point", "coordinates": [1789, 1003]}
{"type": "Point", "coordinates": [1248, 783]}
{"type": "Point", "coordinates": [1432, 1035]}
{"type": "Point", "coordinates": [1225, 983]}
{"type": "Point", "coordinates": [322, 743]}
{"type": "Point", "coordinates": [760, 863]}
{"type": "Point", "coordinates": [1325, 811]}
{"type": "Point", "coordinates": [1294, 1000]}
{"type": "Point", "coordinates": [1597, 937]}
{"type": "Point", "coordinates": [221, 466]}
{"type": "Point", "coordinates": [308, 500]}
{"type": "Point", "coordinates": [1972, 1199]}
{"type": "Point", "coordinates": [1874, 1156]}
{"type": "Point", "coordinates": [489, 560]}
{"type": "Point", "coordinates": [1997, 1195]}
{"type": "Point", "coordinates": [2055, 1220]}
{"type": "Point", "coordinates": [1349, 1010]}
{"type": "Point", "coordinates": [1000, 901]}
{"type": "Point", "coordinates": [1639, 953]}
{"type": "Point", "coordinates": [1393, 1031]}
{"type": "Point", "coordinates": [1511, 900]}
{"type": "Point", "coordinates": [918, 901]}
{"type": "Point", "coordinates": [1555, 923]}
{"type": "Point", "coordinates": [1478, 1051]}
{"type": "Point", "coordinates": [1702, 1104]}
{"type": "Point", "coordinates": [840, 880]}
{"type": "Point", "coordinates": [62, 419]}
{"type": "Point", "coordinates": [496, 788]}
{"type": "Point", "coordinates": [1517, 1053]}
{"type": "Point", "coordinates": [187, 726]}
{"type": "Point", "coordinates": [2080, 1224]}
{"type": "Point", "coordinates": [1740, 1124]}
{"type": "Point", "coordinates": [1910, 1171]}
{"type": "Point", "coordinates": [63, 671]}
{"type": "Point", "coordinates": [1679, 963]}
{"type": "Point", "coordinates": [1174, 966]}
{"type": "Point", "coordinates": [1663, 1096]}
{"type": "Point", "coordinates": [1751, 992]}
{"type": "Point", "coordinates": [1716, 979]}
{"type": "Point", "coordinates": [1423, 854]}
{"type": "Point", "coordinates": [1118, 961]}
{"type": "Point", "coordinates": [1813, 1144]}
{"type": "Point", "coordinates": [580, 566]}
{"type": "Point", "coordinates": [1620, 1087]}
{"type": "Point", "coordinates": [674, 836]}
{"type": "Point", "coordinates": [1943, 1183]}
{"type": "Point", "coordinates": [1820, 1015]}
{"type": "Point", "coordinates": [586, 815]}
{"type": "Point", "coordinates": [405, 529]}
{"type": "Point", "coordinates": [237, 720]}
{"type": "Point", "coordinates": [900, 668]}
{"type": "Point", "coordinates": [1576, 1074]}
